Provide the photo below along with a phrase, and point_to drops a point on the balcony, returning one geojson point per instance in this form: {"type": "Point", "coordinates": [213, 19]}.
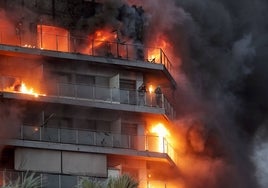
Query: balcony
{"type": "Point", "coordinates": [111, 95]}
{"type": "Point", "coordinates": [100, 139]}
{"type": "Point", "coordinates": [91, 47]}
{"type": "Point", "coordinates": [78, 93]}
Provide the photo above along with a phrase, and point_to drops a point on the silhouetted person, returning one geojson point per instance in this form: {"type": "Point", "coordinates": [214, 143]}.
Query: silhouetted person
{"type": "Point", "coordinates": [158, 96]}
{"type": "Point", "coordinates": [142, 92]}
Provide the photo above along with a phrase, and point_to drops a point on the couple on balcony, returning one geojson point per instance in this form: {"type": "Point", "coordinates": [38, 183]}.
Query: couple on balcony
{"type": "Point", "coordinates": [142, 95]}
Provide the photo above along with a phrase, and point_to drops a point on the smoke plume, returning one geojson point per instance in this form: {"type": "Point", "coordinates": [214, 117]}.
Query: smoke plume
{"type": "Point", "coordinates": [219, 51]}
{"type": "Point", "coordinates": [222, 76]}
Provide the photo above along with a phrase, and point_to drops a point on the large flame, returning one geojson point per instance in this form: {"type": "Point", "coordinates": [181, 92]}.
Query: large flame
{"type": "Point", "coordinates": [101, 36]}
{"type": "Point", "coordinates": [155, 54]}
{"type": "Point", "coordinates": [23, 88]}
{"type": "Point", "coordinates": [161, 132]}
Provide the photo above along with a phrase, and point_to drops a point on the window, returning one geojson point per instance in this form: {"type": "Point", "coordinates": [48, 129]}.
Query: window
{"type": "Point", "coordinates": [127, 84]}
{"type": "Point", "coordinates": [85, 79]}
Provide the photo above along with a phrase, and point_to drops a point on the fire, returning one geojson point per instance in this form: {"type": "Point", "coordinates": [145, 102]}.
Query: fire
{"type": "Point", "coordinates": [22, 88]}
{"type": "Point", "coordinates": [161, 132]}
{"type": "Point", "coordinates": [154, 54]}
{"type": "Point", "coordinates": [101, 37]}
{"type": "Point", "coordinates": [53, 38]}
{"type": "Point", "coordinates": [150, 89]}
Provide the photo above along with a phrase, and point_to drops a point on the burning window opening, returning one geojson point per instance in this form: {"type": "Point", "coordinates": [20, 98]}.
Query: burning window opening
{"type": "Point", "coordinates": [161, 132]}
{"type": "Point", "coordinates": [21, 87]}
{"type": "Point", "coordinates": [53, 38]}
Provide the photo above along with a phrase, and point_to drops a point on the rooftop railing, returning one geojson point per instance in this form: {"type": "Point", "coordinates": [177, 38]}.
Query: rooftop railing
{"type": "Point", "coordinates": [96, 138]}
{"type": "Point", "coordinates": [92, 47]}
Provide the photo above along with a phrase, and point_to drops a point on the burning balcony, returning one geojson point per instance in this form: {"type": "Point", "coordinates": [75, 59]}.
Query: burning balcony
{"type": "Point", "coordinates": [90, 93]}
{"type": "Point", "coordinates": [102, 43]}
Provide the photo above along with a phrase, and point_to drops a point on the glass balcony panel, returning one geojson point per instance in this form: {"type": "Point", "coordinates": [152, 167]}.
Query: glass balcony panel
{"type": "Point", "coordinates": [104, 139]}
{"type": "Point", "coordinates": [67, 136]}
{"type": "Point", "coordinates": [124, 97]}
{"type": "Point", "coordinates": [68, 181]}
{"type": "Point", "coordinates": [50, 181]}
{"type": "Point", "coordinates": [115, 95]}
{"type": "Point", "coordinates": [102, 94]}
{"type": "Point", "coordinates": [31, 133]}
{"type": "Point", "coordinates": [86, 137]}
{"type": "Point", "coordinates": [50, 134]}
{"type": "Point", "coordinates": [84, 91]}
{"type": "Point", "coordinates": [154, 143]}
{"type": "Point", "coordinates": [121, 141]}
{"type": "Point", "coordinates": [66, 90]}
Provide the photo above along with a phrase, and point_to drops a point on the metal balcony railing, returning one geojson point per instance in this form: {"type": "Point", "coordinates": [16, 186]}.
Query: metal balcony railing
{"type": "Point", "coordinates": [111, 95]}
{"type": "Point", "coordinates": [94, 138]}
{"type": "Point", "coordinates": [99, 94]}
{"type": "Point", "coordinates": [92, 47]}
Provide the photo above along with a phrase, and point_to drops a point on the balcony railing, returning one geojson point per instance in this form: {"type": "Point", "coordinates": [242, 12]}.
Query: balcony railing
{"type": "Point", "coordinates": [94, 138]}
{"type": "Point", "coordinates": [111, 95]}
{"type": "Point", "coordinates": [92, 47]}
{"type": "Point", "coordinates": [100, 94]}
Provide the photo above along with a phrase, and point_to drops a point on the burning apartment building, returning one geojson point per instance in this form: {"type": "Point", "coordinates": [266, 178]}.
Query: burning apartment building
{"type": "Point", "coordinates": [71, 102]}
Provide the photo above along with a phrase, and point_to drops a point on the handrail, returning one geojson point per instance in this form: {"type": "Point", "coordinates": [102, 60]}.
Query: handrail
{"type": "Point", "coordinates": [97, 138]}
{"type": "Point", "coordinates": [87, 46]}
{"type": "Point", "coordinates": [101, 94]}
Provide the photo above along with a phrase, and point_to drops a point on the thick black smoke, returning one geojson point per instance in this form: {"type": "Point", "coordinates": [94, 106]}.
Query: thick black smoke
{"type": "Point", "coordinates": [222, 80]}
{"type": "Point", "coordinates": [219, 50]}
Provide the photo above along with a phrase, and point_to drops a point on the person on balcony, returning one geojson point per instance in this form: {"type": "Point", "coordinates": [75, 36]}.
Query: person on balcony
{"type": "Point", "coordinates": [142, 91]}
{"type": "Point", "coordinates": [158, 96]}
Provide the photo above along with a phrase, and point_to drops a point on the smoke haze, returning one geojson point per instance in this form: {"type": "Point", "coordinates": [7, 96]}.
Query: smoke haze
{"type": "Point", "coordinates": [222, 95]}
{"type": "Point", "coordinates": [219, 50]}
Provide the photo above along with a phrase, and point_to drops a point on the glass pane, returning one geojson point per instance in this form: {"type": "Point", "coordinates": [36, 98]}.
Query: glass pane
{"type": "Point", "coordinates": [68, 181]}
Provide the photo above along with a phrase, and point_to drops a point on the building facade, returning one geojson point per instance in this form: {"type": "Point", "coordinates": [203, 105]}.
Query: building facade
{"type": "Point", "coordinates": [79, 110]}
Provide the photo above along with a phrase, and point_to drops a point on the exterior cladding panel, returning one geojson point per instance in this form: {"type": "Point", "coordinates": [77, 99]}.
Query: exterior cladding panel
{"type": "Point", "coordinates": [61, 162]}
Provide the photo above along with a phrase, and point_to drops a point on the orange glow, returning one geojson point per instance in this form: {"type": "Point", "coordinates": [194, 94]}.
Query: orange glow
{"type": "Point", "coordinates": [101, 36]}
{"type": "Point", "coordinates": [161, 133]}
{"type": "Point", "coordinates": [150, 89]}
{"type": "Point", "coordinates": [160, 130]}
{"type": "Point", "coordinates": [100, 39]}
{"type": "Point", "coordinates": [21, 87]}
{"type": "Point", "coordinates": [53, 38]}
{"type": "Point", "coordinates": [154, 54]}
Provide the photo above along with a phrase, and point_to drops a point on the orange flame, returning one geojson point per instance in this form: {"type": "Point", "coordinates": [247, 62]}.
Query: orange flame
{"type": "Point", "coordinates": [150, 89]}
{"type": "Point", "coordinates": [22, 88]}
{"type": "Point", "coordinates": [101, 36]}
{"type": "Point", "coordinates": [154, 54]}
{"type": "Point", "coordinates": [161, 132]}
